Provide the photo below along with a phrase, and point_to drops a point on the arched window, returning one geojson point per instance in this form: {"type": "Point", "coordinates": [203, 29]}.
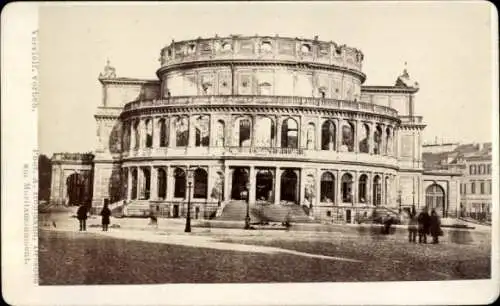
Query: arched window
{"type": "Point", "coordinates": [305, 48]}
{"type": "Point", "coordinates": [162, 183]}
{"type": "Point", "coordinates": [327, 188]}
{"type": "Point", "coordinates": [163, 133]}
{"type": "Point", "coordinates": [289, 132]}
{"type": "Point", "coordinates": [219, 133]}
{"type": "Point", "coordinates": [311, 136]}
{"type": "Point", "coordinates": [434, 198]}
{"type": "Point", "coordinates": [264, 132]}
{"type": "Point", "coordinates": [377, 141]}
{"type": "Point", "coordinates": [226, 47]}
{"type": "Point", "coordinates": [239, 182]}
{"type": "Point", "coordinates": [181, 131]}
{"type": "Point", "coordinates": [328, 136]}
{"type": "Point", "coordinates": [348, 137]}
{"type": "Point", "coordinates": [202, 131]}
{"type": "Point", "coordinates": [388, 141]}
{"type": "Point", "coordinates": [346, 184]}
{"type": "Point", "coordinates": [377, 191]}
{"type": "Point", "coordinates": [481, 187]}
{"type": "Point", "coordinates": [362, 184]}
{"type": "Point", "coordinates": [200, 184]}
{"type": "Point", "coordinates": [149, 133]}
{"type": "Point", "coordinates": [364, 144]}
{"type": "Point", "coordinates": [243, 132]}
{"type": "Point", "coordinates": [473, 187]}
{"type": "Point", "coordinates": [266, 47]}
{"type": "Point", "coordinates": [179, 183]}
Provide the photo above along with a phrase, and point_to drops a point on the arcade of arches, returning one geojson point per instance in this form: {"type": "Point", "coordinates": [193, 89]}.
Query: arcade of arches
{"type": "Point", "coordinates": [292, 132]}
{"type": "Point", "coordinates": [278, 185]}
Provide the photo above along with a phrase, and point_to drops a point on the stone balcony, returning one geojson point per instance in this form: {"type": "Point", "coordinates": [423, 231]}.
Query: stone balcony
{"type": "Point", "coordinates": [250, 100]}
{"type": "Point", "coordinates": [265, 153]}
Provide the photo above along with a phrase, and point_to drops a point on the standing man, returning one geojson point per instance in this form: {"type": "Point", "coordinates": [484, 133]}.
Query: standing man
{"type": "Point", "coordinates": [423, 225]}
{"type": "Point", "coordinates": [412, 227]}
{"type": "Point", "coordinates": [81, 214]}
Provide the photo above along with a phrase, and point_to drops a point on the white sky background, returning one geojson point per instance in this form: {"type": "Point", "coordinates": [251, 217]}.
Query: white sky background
{"type": "Point", "coordinates": [447, 47]}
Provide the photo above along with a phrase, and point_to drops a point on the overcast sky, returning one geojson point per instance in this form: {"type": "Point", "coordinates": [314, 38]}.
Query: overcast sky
{"type": "Point", "coordinates": [447, 47]}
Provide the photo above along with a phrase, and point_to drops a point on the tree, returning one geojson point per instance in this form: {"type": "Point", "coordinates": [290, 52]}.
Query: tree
{"type": "Point", "coordinates": [44, 177]}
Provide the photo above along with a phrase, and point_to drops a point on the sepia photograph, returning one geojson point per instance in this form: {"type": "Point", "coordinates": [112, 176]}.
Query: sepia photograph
{"type": "Point", "coordinates": [263, 143]}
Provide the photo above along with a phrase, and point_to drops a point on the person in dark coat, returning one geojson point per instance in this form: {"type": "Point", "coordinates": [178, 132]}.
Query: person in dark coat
{"type": "Point", "coordinates": [423, 226]}
{"type": "Point", "coordinates": [105, 213]}
{"type": "Point", "coordinates": [81, 214]}
{"type": "Point", "coordinates": [412, 227]}
{"type": "Point", "coordinates": [435, 227]}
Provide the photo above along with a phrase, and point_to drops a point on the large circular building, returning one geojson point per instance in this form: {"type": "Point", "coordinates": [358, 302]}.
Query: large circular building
{"type": "Point", "coordinates": [284, 123]}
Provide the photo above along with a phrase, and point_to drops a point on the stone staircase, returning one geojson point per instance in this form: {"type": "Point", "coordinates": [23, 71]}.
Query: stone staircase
{"type": "Point", "coordinates": [236, 211]}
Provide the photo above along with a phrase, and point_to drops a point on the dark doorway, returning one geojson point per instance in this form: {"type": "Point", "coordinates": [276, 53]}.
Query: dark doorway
{"type": "Point", "coordinates": [175, 213]}
{"type": "Point", "coordinates": [288, 186]}
{"type": "Point", "coordinates": [75, 185]}
{"type": "Point", "coordinates": [264, 185]}
{"type": "Point", "coordinates": [240, 179]}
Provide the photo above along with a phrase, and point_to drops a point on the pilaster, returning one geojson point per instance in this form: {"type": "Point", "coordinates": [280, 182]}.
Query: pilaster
{"type": "Point", "coordinates": [153, 186]}
{"type": "Point", "coordinates": [277, 186]}
{"type": "Point", "coordinates": [251, 192]}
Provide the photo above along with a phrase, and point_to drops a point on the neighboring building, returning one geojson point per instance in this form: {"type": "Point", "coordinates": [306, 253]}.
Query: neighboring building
{"type": "Point", "coordinates": [282, 121]}
{"type": "Point", "coordinates": [473, 162]}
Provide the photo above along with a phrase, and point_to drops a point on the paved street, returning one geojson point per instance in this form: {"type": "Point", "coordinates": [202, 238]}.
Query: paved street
{"type": "Point", "coordinates": [132, 256]}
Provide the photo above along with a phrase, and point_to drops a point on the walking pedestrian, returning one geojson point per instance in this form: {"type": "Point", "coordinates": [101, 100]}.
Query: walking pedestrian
{"type": "Point", "coordinates": [412, 227]}
{"type": "Point", "coordinates": [423, 226]}
{"type": "Point", "coordinates": [81, 214]}
{"type": "Point", "coordinates": [105, 213]}
{"type": "Point", "coordinates": [435, 227]}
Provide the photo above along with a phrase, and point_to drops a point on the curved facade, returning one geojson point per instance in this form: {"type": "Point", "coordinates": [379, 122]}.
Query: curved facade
{"type": "Point", "coordinates": [287, 119]}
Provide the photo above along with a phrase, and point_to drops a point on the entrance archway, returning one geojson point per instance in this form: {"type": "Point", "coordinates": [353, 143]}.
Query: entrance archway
{"type": "Point", "coordinates": [240, 179]}
{"type": "Point", "coordinates": [434, 198]}
{"type": "Point", "coordinates": [288, 186]}
{"type": "Point", "coordinates": [75, 187]}
{"type": "Point", "coordinates": [264, 185]}
{"type": "Point", "coordinates": [327, 188]}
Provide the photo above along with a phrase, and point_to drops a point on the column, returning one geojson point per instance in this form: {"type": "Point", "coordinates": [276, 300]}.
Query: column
{"type": "Point", "coordinates": [132, 136]}
{"type": "Point", "coordinates": [318, 133]}
{"type": "Point", "coordinates": [254, 132]}
{"type": "Point", "coordinates": [338, 140]}
{"type": "Point", "coordinates": [354, 188]}
{"type": "Point", "coordinates": [143, 133]}
{"type": "Point", "coordinates": [302, 186]}
{"type": "Point", "coordinates": [382, 191]}
{"type": "Point", "coordinates": [227, 178]}
{"type": "Point", "coordinates": [140, 183]}
{"type": "Point", "coordinates": [156, 132]}
{"type": "Point", "coordinates": [170, 183]}
{"type": "Point", "coordinates": [371, 137]}
{"type": "Point", "coordinates": [192, 134]}
{"type": "Point", "coordinates": [211, 135]}
{"type": "Point", "coordinates": [356, 135]}
{"type": "Point", "coordinates": [318, 187]}
{"type": "Point", "coordinates": [369, 189]}
{"type": "Point", "coordinates": [251, 192]}
{"type": "Point", "coordinates": [278, 131]}
{"type": "Point", "coordinates": [338, 189]}
{"type": "Point", "coordinates": [129, 183]}
{"type": "Point", "coordinates": [277, 185]}
{"type": "Point", "coordinates": [171, 132]}
{"type": "Point", "coordinates": [383, 141]}
{"type": "Point", "coordinates": [153, 183]}
{"type": "Point", "coordinates": [210, 183]}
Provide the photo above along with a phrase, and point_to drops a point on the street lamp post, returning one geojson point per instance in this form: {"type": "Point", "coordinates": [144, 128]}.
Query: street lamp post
{"type": "Point", "coordinates": [188, 217]}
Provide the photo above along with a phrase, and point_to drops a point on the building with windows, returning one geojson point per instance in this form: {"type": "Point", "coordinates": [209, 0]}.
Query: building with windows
{"type": "Point", "coordinates": [473, 162]}
{"type": "Point", "coordinates": [277, 121]}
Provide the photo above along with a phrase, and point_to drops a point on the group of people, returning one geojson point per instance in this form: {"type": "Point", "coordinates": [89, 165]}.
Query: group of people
{"type": "Point", "coordinates": [82, 214]}
{"type": "Point", "coordinates": [424, 224]}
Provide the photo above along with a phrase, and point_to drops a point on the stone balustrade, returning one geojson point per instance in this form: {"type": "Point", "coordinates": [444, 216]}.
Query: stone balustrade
{"type": "Point", "coordinates": [244, 100]}
{"type": "Point", "coordinates": [255, 152]}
